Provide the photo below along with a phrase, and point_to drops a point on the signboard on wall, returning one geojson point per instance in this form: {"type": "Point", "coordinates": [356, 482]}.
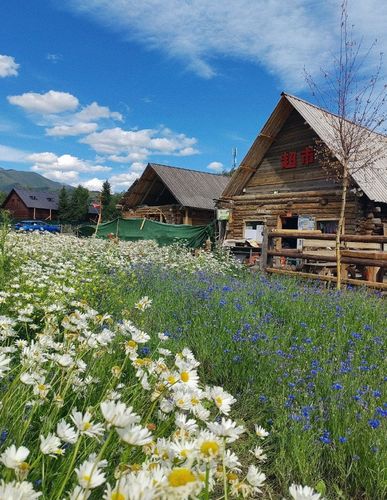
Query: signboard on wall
{"type": "Point", "coordinates": [305, 223]}
{"type": "Point", "coordinates": [223, 214]}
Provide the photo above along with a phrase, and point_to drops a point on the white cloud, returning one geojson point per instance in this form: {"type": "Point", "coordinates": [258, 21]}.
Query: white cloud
{"type": "Point", "coordinates": [64, 168]}
{"type": "Point", "coordinates": [137, 145]}
{"type": "Point", "coordinates": [138, 167]}
{"type": "Point", "coordinates": [54, 58]}
{"type": "Point", "coordinates": [217, 166]}
{"type": "Point", "coordinates": [8, 66]}
{"type": "Point", "coordinates": [72, 130]}
{"type": "Point", "coordinates": [95, 112]}
{"type": "Point", "coordinates": [281, 36]}
{"type": "Point", "coordinates": [93, 184]}
{"type": "Point", "coordinates": [121, 182]}
{"type": "Point", "coordinates": [10, 154]}
{"type": "Point", "coordinates": [48, 103]}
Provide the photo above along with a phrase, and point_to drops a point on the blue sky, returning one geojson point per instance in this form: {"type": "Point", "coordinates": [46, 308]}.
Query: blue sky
{"type": "Point", "coordinates": [94, 89]}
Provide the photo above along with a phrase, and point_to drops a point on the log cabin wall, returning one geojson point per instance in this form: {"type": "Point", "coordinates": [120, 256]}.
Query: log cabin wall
{"type": "Point", "coordinates": [171, 214]}
{"type": "Point", "coordinates": [201, 217]}
{"type": "Point", "coordinates": [17, 208]}
{"type": "Point", "coordinates": [278, 189]}
{"type": "Point", "coordinates": [270, 210]}
{"type": "Point", "coordinates": [307, 175]}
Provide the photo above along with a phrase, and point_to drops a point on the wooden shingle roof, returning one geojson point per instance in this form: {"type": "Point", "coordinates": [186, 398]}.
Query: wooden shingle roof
{"type": "Point", "coordinates": [372, 179]}
{"type": "Point", "coordinates": [191, 188]}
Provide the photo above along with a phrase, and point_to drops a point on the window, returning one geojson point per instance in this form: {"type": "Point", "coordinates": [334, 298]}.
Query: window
{"type": "Point", "coordinates": [327, 226]}
{"type": "Point", "coordinates": [33, 197]}
{"type": "Point", "coordinates": [254, 230]}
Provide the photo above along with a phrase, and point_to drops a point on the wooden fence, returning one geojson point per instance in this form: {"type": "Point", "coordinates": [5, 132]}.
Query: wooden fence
{"type": "Point", "coordinates": [363, 258]}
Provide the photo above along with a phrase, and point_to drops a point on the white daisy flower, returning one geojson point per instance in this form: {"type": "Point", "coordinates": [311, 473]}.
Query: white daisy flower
{"type": "Point", "coordinates": [299, 492]}
{"type": "Point", "coordinates": [135, 435]}
{"type": "Point", "coordinates": [13, 457]}
{"type": "Point", "coordinates": [66, 433]}
{"type": "Point", "coordinates": [89, 475]}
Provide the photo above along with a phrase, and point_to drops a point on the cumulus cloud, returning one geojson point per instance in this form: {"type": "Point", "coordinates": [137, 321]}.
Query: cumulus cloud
{"type": "Point", "coordinates": [216, 166]}
{"type": "Point", "coordinates": [96, 112]}
{"type": "Point", "coordinates": [48, 103]}
{"type": "Point", "coordinates": [137, 145]}
{"type": "Point", "coordinates": [93, 184]}
{"type": "Point", "coordinates": [13, 155]}
{"type": "Point", "coordinates": [8, 66]}
{"type": "Point", "coordinates": [72, 130]}
{"type": "Point", "coordinates": [281, 36]}
{"type": "Point", "coordinates": [64, 168]}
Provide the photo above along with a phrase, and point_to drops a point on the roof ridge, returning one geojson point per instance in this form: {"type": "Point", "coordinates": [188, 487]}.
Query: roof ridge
{"type": "Point", "coordinates": [332, 114]}
{"type": "Point", "coordinates": [187, 169]}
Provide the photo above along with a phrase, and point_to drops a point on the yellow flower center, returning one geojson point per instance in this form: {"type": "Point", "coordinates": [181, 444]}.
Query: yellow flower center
{"type": "Point", "coordinates": [184, 376]}
{"type": "Point", "coordinates": [209, 448]}
{"type": "Point", "coordinates": [180, 477]}
{"type": "Point", "coordinates": [24, 466]}
{"type": "Point", "coordinates": [219, 401]}
{"type": "Point", "coordinates": [195, 401]}
{"type": "Point", "coordinates": [184, 453]}
{"type": "Point", "coordinates": [116, 495]}
{"type": "Point", "coordinates": [131, 344]}
{"type": "Point", "coordinates": [86, 426]}
{"type": "Point", "coordinates": [171, 379]}
{"type": "Point", "coordinates": [231, 476]}
{"type": "Point", "coordinates": [41, 387]}
{"type": "Point", "coordinates": [86, 477]}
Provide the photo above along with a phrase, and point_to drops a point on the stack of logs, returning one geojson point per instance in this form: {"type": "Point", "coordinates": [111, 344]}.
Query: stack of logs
{"type": "Point", "coordinates": [372, 223]}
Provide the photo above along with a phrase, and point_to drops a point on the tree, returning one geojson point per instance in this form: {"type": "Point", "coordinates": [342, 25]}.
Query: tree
{"type": "Point", "coordinates": [106, 199]}
{"type": "Point", "coordinates": [2, 197]}
{"type": "Point", "coordinates": [79, 204]}
{"type": "Point", "coordinates": [64, 206]}
{"type": "Point", "coordinates": [357, 104]}
{"type": "Point", "coordinates": [109, 202]}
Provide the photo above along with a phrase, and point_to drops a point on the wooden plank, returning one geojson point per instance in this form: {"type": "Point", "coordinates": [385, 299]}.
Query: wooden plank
{"type": "Point", "coordinates": [365, 254]}
{"type": "Point", "coordinates": [350, 281]}
{"type": "Point", "coordinates": [265, 243]}
{"type": "Point", "coordinates": [290, 233]}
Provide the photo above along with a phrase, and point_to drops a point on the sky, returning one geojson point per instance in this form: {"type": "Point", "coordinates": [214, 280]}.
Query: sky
{"type": "Point", "coordinates": [95, 89]}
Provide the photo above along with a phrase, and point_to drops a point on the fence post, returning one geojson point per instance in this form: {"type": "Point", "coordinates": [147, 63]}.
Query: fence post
{"type": "Point", "coordinates": [265, 244]}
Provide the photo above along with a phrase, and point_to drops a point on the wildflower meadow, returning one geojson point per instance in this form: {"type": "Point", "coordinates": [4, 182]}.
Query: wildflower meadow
{"type": "Point", "coordinates": [130, 371]}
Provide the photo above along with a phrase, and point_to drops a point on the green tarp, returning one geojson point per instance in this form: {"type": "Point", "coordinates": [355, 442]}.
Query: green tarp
{"type": "Point", "coordinates": [144, 229]}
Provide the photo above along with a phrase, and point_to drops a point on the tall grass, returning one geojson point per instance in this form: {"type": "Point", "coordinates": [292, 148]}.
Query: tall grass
{"type": "Point", "coordinates": [306, 361]}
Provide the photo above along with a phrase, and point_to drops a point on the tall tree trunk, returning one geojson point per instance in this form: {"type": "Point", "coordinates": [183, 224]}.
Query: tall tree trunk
{"type": "Point", "coordinates": [340, 226]}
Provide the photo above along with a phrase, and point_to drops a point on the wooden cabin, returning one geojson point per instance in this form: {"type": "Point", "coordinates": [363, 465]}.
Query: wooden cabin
{"type": "Point", "coordinates": [280, 184]}
{"type": "Point", "coordinates": [174, 195]}
{"type": "Point", "coordinates": [26, 204]}
{"type": "Point", "coordinates": [41, 205]}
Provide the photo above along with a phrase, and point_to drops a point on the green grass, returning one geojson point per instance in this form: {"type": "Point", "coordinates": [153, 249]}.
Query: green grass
{"type": "Point", "coordinates": [304, 361]}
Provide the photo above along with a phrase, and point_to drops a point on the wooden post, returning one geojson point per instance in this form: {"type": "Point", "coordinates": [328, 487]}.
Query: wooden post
{"type": "Point", "coordinates": [265, 244]}
{"type": "Point", "coordinates": [186, 216]}
{"type": "Point", "coordinates": [34, 213]}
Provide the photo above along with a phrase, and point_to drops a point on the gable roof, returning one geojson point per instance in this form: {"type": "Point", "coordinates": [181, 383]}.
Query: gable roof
{"type": "Point", "coordinates": [371, 179]}
{"type": "Point", "coordinates": [45, 200]}
{"type": "Point", "coordinates": [38, 199]}
{"type": "Point", "coordinates": [191, 188]}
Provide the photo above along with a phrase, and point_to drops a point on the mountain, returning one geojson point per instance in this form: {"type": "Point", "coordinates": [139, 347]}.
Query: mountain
{"type": "Point", "coordinates": [10, 178]}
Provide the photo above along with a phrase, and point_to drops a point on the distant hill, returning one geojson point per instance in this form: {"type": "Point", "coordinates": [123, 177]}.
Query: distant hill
{"type": "Point", "coordinates": [10, 178]}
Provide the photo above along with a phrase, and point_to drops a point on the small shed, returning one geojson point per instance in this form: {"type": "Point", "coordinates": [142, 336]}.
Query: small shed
{"type": "Point", "coordinates": [174, 195]}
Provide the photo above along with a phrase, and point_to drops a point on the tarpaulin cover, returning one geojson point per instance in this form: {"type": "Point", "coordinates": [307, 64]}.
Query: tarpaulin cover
{"type": "Point", "coordinates": [145, 229]}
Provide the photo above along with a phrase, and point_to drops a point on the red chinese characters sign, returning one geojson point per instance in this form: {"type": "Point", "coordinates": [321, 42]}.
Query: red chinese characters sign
{"type": "Point", "coordinates": [289, 159]}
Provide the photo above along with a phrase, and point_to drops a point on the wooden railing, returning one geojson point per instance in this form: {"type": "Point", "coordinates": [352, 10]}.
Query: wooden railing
{"type": "Point", "coordinates": [360, 255]}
